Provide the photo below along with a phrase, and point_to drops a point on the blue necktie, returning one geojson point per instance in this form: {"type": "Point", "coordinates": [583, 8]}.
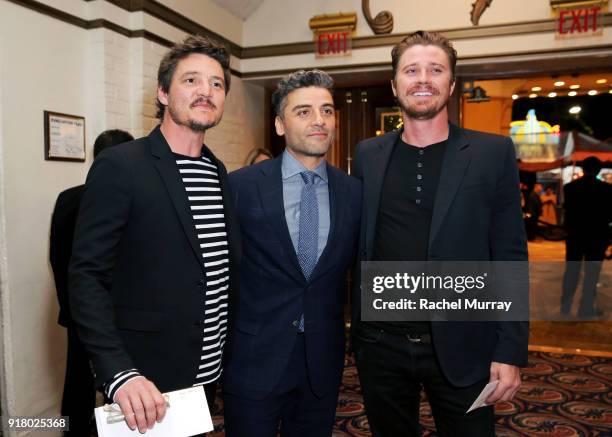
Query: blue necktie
{"type": "Point", "coordinates": [308, 240]}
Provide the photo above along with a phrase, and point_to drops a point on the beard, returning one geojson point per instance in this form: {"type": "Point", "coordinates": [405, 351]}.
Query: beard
{"type": "Point", "coordinates": [314, 150]}
{"type": "Point", "coordinates": [198, 127]}
{"type": "Point", "coordinates": [194, 125]}
{"type": "Point", "coordinates": [422, 112]}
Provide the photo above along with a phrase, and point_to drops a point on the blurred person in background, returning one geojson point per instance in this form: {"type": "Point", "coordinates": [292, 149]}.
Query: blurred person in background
{"type": "Point", "coordinates": [549, 206]}
{"type": "Point", "coordinates": [588, 213]}
{"type": "Point", "coordinates": [533, 211]}
{"type": "Point", "coordinates": [257, 155]}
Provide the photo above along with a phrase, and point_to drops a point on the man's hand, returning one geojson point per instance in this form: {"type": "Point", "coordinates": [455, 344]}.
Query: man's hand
{"type": "Point", "coordinates": [141, 403]}
{"type": "Point", "coordinates": [509, 377]}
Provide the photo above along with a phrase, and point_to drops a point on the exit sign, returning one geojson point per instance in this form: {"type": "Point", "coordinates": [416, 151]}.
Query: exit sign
{"type": "Point", "coordinates": [580, 21]}
{"type": "Point", "coordinates": [333, 43]}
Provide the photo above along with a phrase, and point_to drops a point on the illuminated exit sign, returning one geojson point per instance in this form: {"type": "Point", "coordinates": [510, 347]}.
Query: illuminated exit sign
{"type": "Point", "coordinates": [580, 21]}
{"type": "Point", "coordinates": [336, 43]}
{"type": "Point", "coordinates": [333, 33]}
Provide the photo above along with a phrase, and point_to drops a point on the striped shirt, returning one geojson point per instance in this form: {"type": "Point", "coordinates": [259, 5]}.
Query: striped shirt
{"type": "Point", "coordinates": [200, 177]}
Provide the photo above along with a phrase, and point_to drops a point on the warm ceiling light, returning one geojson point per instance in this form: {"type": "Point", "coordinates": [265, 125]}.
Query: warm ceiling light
{"type": "Point", "coordinates": [559, 83]}
{"type": "Point", "coordinates": [610, 91]}
{"type": "Point", "coordinates": [515, 96]}
{"type": "Point", "coordinates": [553, 94]}
{"type": "Point", "coordinates": [536, 88]}
{"type": "Point", "coordinates": [572, 93]}
{"type": "Point", "coordinates": [575, 110]}
{"type": "Point", "coordinates": [593, 93]}
{"type": "Point", "coordinates": [574, 87]}
{"type": "Point", "coordinates": [601, 80]}
{"type": "Point", "coordinates": [533, 96]}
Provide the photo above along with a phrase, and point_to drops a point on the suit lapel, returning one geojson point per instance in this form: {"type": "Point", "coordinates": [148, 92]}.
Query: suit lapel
{"type": "Point", "coordinates": [375, 166]}
{"type": "Point", "coordinates": [456, 160]}
{"type": "Point", "coordinates": [166, 166]}
{"type": "Point", "coordinates": [270, 186]}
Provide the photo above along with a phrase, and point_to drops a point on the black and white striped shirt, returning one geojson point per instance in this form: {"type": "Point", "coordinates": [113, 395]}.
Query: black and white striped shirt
{"type": "Point", "coordinates": [201, 180]}
{"type": "Point", "coordinates": [200, 177]}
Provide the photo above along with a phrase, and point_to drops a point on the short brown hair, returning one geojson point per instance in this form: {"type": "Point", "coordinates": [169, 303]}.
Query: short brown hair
{"type": "Point", "coordinates": [192, 44]}
{"type": "Point", "coordinates": [424, 38]}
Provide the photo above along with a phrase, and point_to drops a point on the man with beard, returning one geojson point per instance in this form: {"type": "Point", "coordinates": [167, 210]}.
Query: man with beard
{"type": "Point", "coordinates": [434, 191]}
{"type": "Point", "coordinates": [299, 218]}
{"type": "Point", "coordinates": [156, 245]}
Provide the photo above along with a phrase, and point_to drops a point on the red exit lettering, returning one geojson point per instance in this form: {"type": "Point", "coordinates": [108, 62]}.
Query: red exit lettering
{"type": "Point", "coordinates": [578, 20]}
{"type": "Point", "coordinates": [333, 43]}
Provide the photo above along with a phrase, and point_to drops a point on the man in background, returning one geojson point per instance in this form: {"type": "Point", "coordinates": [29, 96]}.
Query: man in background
{"type": "Point", "coordinates": [79, 396]}
{"type": "Point", "coordinates": [588, 214]}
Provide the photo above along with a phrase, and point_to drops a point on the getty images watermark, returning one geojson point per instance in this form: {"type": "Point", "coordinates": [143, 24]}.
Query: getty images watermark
{"type": "Point", "coordinates": [486, 291]}
{"type": "Point", "coordinates": [445, 290]}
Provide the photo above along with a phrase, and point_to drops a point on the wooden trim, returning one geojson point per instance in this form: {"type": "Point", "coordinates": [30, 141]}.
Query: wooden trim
{"type": "Point", "coordinates": [330, 69]}
{"type": "Point", "coordinates": [99, 23]}
{"type": "Point", "coordinates": [499, 57]}
{"type": "Point", "coordinates": [141, 33]}
{"type": "Point", "coordinates": [51, 12]}
{"type": "Point", "coordinates": [105, 24]}
{"type": "Point", "coordinates": [582, 51]}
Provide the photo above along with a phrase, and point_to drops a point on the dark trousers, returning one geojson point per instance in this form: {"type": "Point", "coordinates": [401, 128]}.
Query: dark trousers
{"type": "Point", "coordinates": [292, 404]}
{"type": "Point", "coordinates": [392, 371]}
{"type": "Point", "coordinates": [592, 251]}
{"type": "Point", "coordinates": [79, 398]}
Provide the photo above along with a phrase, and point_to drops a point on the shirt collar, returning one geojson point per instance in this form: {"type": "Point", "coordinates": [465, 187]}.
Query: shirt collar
{"type": "Point", "coordinates": [291, 167]}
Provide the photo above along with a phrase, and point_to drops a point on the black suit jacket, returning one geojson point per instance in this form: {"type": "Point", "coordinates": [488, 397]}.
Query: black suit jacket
{"type": "Point", "coordinates": [477, 216]}
{"type": "Point", "coordinates": [136, 275]}
{"type": "Point", "coordinates": [273, 289]}
{"type": "Point", "coordinates": [63, 223]}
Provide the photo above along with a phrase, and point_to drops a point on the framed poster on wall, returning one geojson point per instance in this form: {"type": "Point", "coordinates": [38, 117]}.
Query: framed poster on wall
{"type": "Point", "coordinates": [64, 137]}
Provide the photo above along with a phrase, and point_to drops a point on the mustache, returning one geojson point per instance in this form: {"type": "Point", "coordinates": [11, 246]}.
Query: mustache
{"type": "Point", "coordinates": [424, 88]}
{"type": "Point", "coordinates": [201, 100]}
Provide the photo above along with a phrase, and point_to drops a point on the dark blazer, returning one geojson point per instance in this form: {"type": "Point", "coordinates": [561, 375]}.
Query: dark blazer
{"type": "Point", "coordinates": [476, 216]}
{"type": "Point", "coordinates": [136, 275]}
{"type": "Point", "coordinates": [274, 292]}
{"type": "Point", "coordinates": [63, 222]}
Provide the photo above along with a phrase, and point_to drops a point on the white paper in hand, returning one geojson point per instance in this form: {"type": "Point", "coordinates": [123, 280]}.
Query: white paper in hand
{"type": "Point", "coordinates": [484, 394]}
{"type": "Point", "coordinates": [186, 416]}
